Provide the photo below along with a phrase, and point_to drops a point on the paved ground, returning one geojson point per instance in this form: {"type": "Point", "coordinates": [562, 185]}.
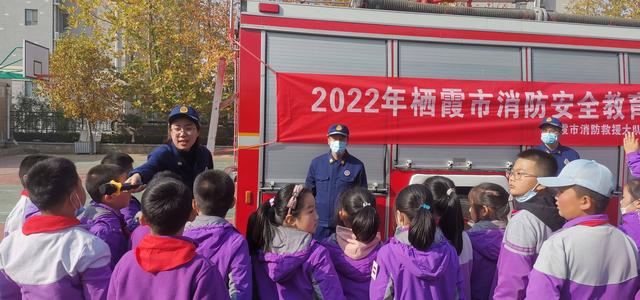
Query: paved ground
{"type": "Point", "coordinates": [10, 184]}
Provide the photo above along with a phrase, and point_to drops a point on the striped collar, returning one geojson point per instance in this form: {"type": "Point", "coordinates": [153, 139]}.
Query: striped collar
{"type": "Point", "coordinates": [590, 220]}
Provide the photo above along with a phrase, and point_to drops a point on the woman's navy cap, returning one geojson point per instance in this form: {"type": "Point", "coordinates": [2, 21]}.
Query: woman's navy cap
{"type": "Point", "coordinates": [184, 111]}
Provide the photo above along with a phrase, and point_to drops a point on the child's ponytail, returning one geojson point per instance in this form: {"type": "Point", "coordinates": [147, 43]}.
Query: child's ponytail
{"type": "Point", "coordinates": [416, 202]}
{"type": "Point", "coordinates": [447, 206]}
{"type": "Point", "coordinates": [360, 206]}
{"type": "Point", "coordinates": [271, 214]}
{"type": "Point", "coordinates": [259, 230]}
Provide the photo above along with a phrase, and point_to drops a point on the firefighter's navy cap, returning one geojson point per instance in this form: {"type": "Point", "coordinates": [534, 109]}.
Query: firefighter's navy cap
{"type": "Point", "coordinates": [184, 111]}
{"type": "Point", "coordinates": [338, 129]}
{"type": "Point", "coordinates": [552, 122]}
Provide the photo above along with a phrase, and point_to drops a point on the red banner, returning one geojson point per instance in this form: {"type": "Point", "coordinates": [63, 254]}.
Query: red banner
{"type": "Point", "coordinates": [385, 110]}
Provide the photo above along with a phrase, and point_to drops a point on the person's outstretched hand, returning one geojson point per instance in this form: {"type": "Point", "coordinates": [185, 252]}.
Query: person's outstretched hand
{"type": "Point", "coordinates": [136, 179]}
{"type": "Point", "coordinates": [630, 143]}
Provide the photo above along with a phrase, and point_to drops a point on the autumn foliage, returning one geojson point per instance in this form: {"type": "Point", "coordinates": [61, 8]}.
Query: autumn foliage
{"type": "Point", "coordinates": [166, 51]}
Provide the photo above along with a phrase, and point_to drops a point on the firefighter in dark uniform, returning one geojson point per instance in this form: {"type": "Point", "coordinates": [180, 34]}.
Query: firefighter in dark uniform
{"type": "Point", "coordinates": [550, 132]}
{"type": "Point", "coordinates": [182, 154]}
{"type": "Point", "coordinates": [330, 174]}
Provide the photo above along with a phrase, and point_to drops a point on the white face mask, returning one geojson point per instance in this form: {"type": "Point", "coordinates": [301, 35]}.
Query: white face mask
{"type": "Point", "coordinates": [549, 138]}
{"type": "Point", "coordinates": [338, 147]}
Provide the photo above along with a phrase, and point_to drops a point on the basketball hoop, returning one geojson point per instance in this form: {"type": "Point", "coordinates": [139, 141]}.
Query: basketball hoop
{"type": "Point", "coordinates": [35, 61]}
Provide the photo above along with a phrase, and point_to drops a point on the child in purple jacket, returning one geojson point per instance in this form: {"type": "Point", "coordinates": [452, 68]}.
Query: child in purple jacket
{"type": "Point", "coordinates": [448, 211]}
{"type": "Point", "coordinates": [51, 257]}
{"type": "Point", "coordinates": [588, 258]}
{"type": "Point", "coordinates": [488, 207]}
{"type": "Point", "coordinates": [287, 262]}
{"type": "Point", "coordinates": [218, 240]}
{"type": "Point", "coordinates": [418, 262]}
{"type": "Point", "coordinates": [24, 208]}
{"type": "Point", "coordinates": [629, 206]}
{"type": "Point", "coordinates": [103, 215]}
{"type": "Point", "coordinates": [165, 264]}
{"type": "Point", "coordinates": [354, 246]}
{"type": "Point", "coordinates": [131, 212]}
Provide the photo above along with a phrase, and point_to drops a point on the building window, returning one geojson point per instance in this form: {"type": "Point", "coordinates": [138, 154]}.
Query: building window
{"type": "Point", "coordinates": [28, 89]}
{"type": "Point", "coordinates": [30, 17]}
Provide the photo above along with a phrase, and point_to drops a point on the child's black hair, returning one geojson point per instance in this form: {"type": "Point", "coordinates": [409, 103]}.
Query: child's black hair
{"type": "Point", "coordinates": [167, 174]}
{"type": "Point", "coordinates": [360, 206]}
{"type": "Point", "coordinates": [166, 205]}
{"type": "Point", "coordinates": [214, 192]}
{"type": "Point", "coordinates": [121, 159]}
{"type": "Point", "coordinates": [410, 200]}
{"type": "Point", "coordinates": [600, 201]}
{"type": "Point", "coordinates": [492, 196]}
{"type": "Point", "coordinates": [26, 164]}
{"type": "Point", "coordinates": [448, 208]}
{"type": "Point", "coordinates": [259, 230]}
{"type": "Point", "coordinates": [99, 175]}
{"type": "Point", "coordinates": [545, 164]}
{"type": "Point", "coordinates": [51, 181]}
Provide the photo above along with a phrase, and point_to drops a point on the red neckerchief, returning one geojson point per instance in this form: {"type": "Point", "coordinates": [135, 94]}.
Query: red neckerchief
{"type": "Point", "coordinates": [25, 193]}
{"type": "Point", "coordinates": [40, 224]}
{"type": "Point", "coordinates": [593, 223]}
{"type": "Point", "coordinates": [162, 253]}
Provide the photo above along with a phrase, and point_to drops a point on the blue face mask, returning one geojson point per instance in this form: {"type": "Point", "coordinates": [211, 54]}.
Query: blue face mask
{"type": "Point", "coordinates": [80, 211]}
{"type": "Point", "coordinates": [549, 138]}
{"type": "Point", "coordinates": [338, 147]}
{"type": "Point", "coordinates": [528, 195]}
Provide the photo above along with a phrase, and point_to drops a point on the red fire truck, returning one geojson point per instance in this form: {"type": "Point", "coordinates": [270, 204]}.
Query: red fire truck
{"type": "Point", "coordinates": [513, 46]}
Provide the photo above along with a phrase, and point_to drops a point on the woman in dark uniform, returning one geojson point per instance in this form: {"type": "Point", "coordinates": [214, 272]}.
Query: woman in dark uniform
{"type": "Point", "coordinates": [182, 154]}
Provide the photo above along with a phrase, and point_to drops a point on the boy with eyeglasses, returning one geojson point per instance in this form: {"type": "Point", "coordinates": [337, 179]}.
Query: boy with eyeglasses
{"type": "Point", "coordinates": [534, 218]}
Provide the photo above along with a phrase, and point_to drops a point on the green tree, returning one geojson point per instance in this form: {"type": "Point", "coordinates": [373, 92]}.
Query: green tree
{"type": "Point", "coordinates": [169, 48]}
{"type": "Point", "coordinates": [82, 82]}
{"type": "Point", "coordinates": [612, 8]}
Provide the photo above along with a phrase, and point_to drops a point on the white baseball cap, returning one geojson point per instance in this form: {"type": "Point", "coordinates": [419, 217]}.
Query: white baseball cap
{"type": "Point", "coordinates": [585, 173]}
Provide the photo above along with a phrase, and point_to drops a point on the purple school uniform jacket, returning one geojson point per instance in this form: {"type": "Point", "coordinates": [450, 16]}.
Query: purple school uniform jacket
{"type": "Point", "coordinates": [166, 267]}
{"type": "Point", "coordinates": [227, 249]}
{"type": "Point", "coordinates": [631, 226]}
{"type": "Point", "coordinates": [486, 238]}
{"type": "Point", "coordinates": [53, 258]}
{"type": "Point", "coordinates": [403, 272]}
{"type": "Point", "coordinates": [109, 225]}
{"type": "Point", "coordinates": [588, 259]}
{"type": "Point", "coordinates": [523, 238]}
{"type": "Point", "coordinates": [297, 267]}
{"type": "Point", "coordinates": [355, 275]}
{"type": "Point", "coordinates": [633, 162]}
{"type": "Point", "coordinates": [138, 234]}
{"type": "Point", "coordinates": [129, 213]}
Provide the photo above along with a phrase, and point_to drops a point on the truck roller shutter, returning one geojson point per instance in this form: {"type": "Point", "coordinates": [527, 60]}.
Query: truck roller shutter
{"type": "Point", "coordinates": [304, 53]}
